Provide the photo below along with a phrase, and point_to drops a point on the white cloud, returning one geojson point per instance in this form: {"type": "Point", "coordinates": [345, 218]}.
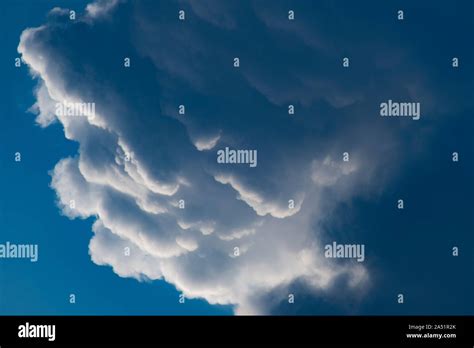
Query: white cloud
{"type": "Point", "coordinates": [328, 172]}
{"type": "Point", "coordinates": [135, 201]}
{"type": "Point", "coordinates": [207, 144]}
{"type": "Point", "coordinates": [261, 206]}
{"type": "Point", "coordinates": [100, 8]}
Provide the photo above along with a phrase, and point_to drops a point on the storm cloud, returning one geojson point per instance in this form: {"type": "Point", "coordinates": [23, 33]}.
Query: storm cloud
{"type": "Point", "coordinates": [148, 174]}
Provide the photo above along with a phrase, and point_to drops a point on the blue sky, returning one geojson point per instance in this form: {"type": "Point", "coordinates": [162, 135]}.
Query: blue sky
{"type": "Point", "coordinates": [407, 251]}
{"type": "Point", "coordinates": [28, 213]}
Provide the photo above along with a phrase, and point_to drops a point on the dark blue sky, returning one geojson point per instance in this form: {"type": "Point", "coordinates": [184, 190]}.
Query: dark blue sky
{"type": "Point", "coordinates": [407, 251]}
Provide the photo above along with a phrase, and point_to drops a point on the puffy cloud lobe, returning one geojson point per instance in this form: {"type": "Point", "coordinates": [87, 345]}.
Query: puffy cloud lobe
{"type": "Point", "coordinates": [100, 7]}
{"type": "Point", "coordinates": [139, 161]}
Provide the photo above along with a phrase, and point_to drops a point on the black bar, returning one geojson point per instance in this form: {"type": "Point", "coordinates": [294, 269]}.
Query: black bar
{"type": "Point", "coordinates": [289, 330]}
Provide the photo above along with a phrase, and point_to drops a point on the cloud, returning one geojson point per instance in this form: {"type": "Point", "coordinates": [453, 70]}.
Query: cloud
{"type": "Point", "coordinates": [100, 8]}
{"type": "Point", "coordinates": [328, 172]}
{"type": "Point", "coordinates": [207, 144]}
{"type": "Point", "coordinates": [149, 176]}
